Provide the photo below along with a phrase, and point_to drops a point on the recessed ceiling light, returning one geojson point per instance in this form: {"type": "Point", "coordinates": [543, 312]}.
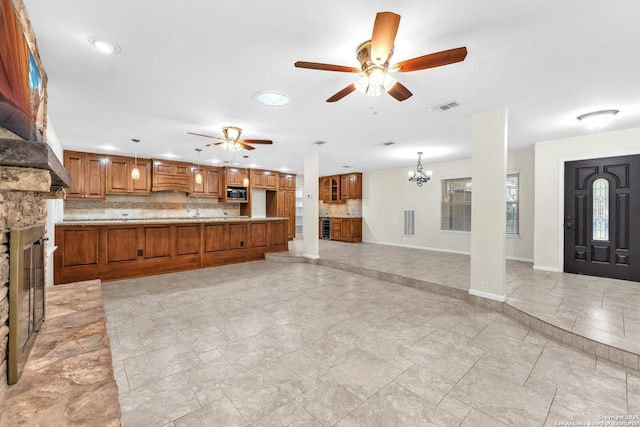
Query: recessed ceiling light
{"type": "Point", "coordinates": [597, 119]}
{"type": "Point", "coordinates": [271, 98]}
{"type": "Point", "coordinates": [104, 45]}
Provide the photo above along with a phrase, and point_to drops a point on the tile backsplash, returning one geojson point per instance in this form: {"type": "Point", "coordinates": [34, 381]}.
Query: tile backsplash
{"type": "Point", "coordinates": [352, 208]}
{"type": "Point", "coordinates": [157, 205]}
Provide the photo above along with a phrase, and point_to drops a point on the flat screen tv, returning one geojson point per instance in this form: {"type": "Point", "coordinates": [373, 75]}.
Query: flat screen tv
{"type": "Point", "coordinates": [22, 92]}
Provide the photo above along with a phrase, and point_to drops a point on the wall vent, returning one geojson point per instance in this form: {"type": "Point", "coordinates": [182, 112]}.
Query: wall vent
{"type": "Point", "coordinates": [409, 222]}
{"type": "Point", "coordinates": [444, 107]}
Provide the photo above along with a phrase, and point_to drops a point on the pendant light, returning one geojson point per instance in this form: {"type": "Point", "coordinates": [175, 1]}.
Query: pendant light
{"type": "Point", "coordinates": [135, 172]}
{"type": "Point", "coordinates": [198, 174]}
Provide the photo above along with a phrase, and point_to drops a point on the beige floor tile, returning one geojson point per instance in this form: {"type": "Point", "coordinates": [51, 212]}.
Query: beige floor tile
{"type": "Point", "coordinates": [426, 384]}
{"type": "Point", "coordinates": [478, 419]}
{"type": "Point", "coordinates": [158, 403]}
{"type": "Point", "coordinates": [396, 406]}
{"type": "Point", "coordinates": [328, 402]}
{"type": "Point", "coordinates": [221, 413]}
{"type": "Point", "coordinates": [152, 366]}
{"type": "Point", "coordinates": [508, 402]}
{"type": "Point", "coordinates": [291, 414]}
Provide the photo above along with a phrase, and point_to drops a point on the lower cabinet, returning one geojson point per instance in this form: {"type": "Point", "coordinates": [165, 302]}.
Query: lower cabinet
{"type": "Point", "coordinates": [111, 252]}
{"type": "Point", "coordinates": [346, 229]}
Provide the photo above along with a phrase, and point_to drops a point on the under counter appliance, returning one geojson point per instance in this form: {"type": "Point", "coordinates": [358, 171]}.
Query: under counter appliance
{"type": "Point", "coordinates": [237, 193]}
{"type": "Point", "coordinates": [325, 228]}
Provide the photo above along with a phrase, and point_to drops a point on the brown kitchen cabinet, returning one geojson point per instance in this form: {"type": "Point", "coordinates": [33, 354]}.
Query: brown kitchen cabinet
{"type": "Point", "coordinates": [234, 177]}
{"type": "Point", "coordinates": [287, 181]}
{"type": "Point", "coordinates": [331, 189]}
{"type": "Point", "coordinates": [118, 175]}
{"type": "Point", "coordinates": [117, 251]}
{"type": "Point", "coordinates": [263, 179]}
{"type": "Point", "coordinates": [87, 172]}
{"type": "Point", "coordinates": [211, 181]}
{"type": "Point", "coordinates": [351, 186]}
{"type": "Point", "coordinates": [287, 209]}
{"type": "Point", "coordinates": [170, 175]}
{"type": "Point", "coordinates": [346, 229]}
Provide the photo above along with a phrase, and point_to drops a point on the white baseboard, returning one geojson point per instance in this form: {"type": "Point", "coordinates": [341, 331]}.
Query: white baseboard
{"type": "Point", "coordinates": [488, 295]}
{"type": "Point", "coordinates": [311, 256]}
{"type": "Point", "coordinates": [513, 258]}
{"type": "Point", "coordinates": [543, 268]}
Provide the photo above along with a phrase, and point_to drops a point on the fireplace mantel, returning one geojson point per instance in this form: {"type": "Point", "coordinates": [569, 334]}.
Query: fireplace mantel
{"type": "Point", "coordinates": [37, 155]}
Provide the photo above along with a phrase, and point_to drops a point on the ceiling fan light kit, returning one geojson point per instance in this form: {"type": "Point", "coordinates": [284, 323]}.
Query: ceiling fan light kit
{"type": "Point", "coordinates": [374, 56]}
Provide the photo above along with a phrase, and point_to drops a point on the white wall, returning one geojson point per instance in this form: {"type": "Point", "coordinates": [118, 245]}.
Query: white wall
{"type": "Point", "coordinates": [55, 207]}
{"type": "Point", "coordinates": [550, 157]}
{"type": "Point", "coordinates": [387, 193]}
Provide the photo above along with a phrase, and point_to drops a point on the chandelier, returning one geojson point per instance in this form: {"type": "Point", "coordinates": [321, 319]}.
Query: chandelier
{"type": "Point", "coordinates": [419, 176]}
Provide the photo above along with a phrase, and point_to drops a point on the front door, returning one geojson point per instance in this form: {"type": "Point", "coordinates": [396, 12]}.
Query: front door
{"type": "Point", "coordinates": [602, 217]}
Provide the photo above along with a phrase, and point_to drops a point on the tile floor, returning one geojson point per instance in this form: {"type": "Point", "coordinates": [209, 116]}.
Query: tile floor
{"type": "Point", "coordinates": [603, 310]}
{"type": "Point", "coordinates": [270, 344]}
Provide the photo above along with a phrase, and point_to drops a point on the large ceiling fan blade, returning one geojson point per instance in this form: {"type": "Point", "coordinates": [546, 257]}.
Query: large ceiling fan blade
{"type": "Point", "coordinates": [344, 92]}
{"type": "Point", "coordinates": [257, 141]}
{"type": "Point", "coordinates": [385, 29]}
{"type": "Point", "coordinates": [245, 146]}
{"type": "Point", "coordinates": [432, 60]}
{"type": "Point", "coordinates": [326, 67]}
{"type": "Point", "coordinates": [206, 136]}
{"type": "Point", "coordinates": [213, 144]}
{"type": "Point", "coordinates": [400, 92]}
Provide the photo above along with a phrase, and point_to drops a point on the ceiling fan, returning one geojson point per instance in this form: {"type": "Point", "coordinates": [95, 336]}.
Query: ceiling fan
{"type": "Point", "coordinates": [374, 56]}
{"type": "Point", "coordinates": [231, 140]}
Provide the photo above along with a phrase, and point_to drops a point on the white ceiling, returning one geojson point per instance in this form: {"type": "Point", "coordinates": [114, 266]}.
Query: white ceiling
{"type": "Point", "coordinates": [195, 66]}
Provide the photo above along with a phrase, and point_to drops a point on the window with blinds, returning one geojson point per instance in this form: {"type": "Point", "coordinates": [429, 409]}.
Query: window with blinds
{"type": "Point", "coordinates": [513, 208]}
{"type": "Point", "coordinates": [456, 204]}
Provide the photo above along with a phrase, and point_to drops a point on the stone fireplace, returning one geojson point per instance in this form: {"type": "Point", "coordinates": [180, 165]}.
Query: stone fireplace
{"type": "Point", "coordinates": [30, 174]}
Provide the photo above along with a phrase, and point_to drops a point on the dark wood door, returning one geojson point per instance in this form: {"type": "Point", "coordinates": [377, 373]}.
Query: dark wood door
{"type": "Point", "coordinates": [601, 209]}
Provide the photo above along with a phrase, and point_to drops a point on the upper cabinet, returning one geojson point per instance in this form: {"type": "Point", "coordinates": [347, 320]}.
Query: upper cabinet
{"type": "Point", "coordinates": [169, 175]}
{"type": "Point", "coordinates": [87, 172]}
{"type": "Point", "coordinates": [330, 186]}
{"type": "Point", "coordinates": [287, 181]}
{"type": "Point", "coordinates": [211, 181]}
{"type": "Point", "coordinates": [267, 180]}
{"type": "Point", "coordinates": [118, 175]}
{"type": "Point", "coordinates": [351, 186]}
{"type": "Point", "coordinates": [234, 177]}
{"type": "Point", "coordinates": [339, 188]}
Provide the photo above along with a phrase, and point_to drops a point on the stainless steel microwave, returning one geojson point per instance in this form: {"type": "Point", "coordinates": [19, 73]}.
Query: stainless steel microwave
{"type": "Point", "coordinates": [234, 193]}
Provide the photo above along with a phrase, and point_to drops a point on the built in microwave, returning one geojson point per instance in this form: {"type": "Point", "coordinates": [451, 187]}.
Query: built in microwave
{"type": "Point", "coordinates": [234, 193]}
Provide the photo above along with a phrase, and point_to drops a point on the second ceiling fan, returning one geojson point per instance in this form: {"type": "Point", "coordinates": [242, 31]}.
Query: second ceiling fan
{"type": "Point", "coordinates": [374, 56]}
{"type": "Point", "coordinates": [231, 140]}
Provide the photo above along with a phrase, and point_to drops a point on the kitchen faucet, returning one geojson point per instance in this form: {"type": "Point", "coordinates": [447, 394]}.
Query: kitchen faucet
{"type": "Point", "coordinates": [197, 214]}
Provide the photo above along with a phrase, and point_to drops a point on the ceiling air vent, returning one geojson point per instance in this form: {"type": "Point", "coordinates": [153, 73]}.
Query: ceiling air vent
{"type": "Point", "coordinates": [388, 143]}
{"type": "Point", "coordinates": [320, 142]}
{"type": "Point", "coordinates": [444, 107]}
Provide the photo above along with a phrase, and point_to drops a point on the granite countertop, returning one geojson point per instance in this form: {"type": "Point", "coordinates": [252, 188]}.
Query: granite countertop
{"type": "Point", "coordinates": [164, 220]}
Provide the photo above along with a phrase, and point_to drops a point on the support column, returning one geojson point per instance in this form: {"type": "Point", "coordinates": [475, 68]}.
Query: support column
{"type": "Point", "coordinates": [488, 208]}
{"type": "Point", "coordinates": [310, 206]}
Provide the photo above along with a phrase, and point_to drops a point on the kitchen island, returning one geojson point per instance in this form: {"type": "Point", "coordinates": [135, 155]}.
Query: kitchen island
{"type": "Point", "coordinates": [118, 249]}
